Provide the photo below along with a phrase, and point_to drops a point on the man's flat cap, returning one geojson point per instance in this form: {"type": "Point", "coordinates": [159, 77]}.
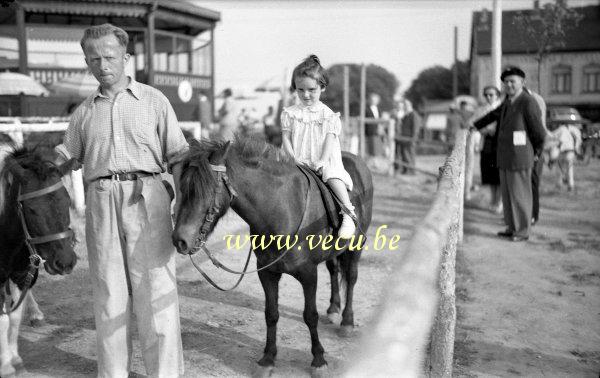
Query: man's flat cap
{"type": "Point", "coordinates": [509, 71]}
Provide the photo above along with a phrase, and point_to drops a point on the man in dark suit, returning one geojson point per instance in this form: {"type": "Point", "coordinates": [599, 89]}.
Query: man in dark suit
{"type": "Point", "coordinates": [520, 136]}
{"type": "Point", "coordinates": [407, 134]}
{"type": "Point", "coordinates": [372, 137]}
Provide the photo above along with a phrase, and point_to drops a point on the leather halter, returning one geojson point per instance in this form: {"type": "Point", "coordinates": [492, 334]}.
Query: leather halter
{"type": "Point", "coordinates": [34, 258]}
{"type": "Point", "coordinates": [214, 209]}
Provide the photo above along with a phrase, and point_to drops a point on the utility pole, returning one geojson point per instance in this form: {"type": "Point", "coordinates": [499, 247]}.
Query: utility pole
{"type": "Point", "coordinates": [455, 68]}
{"type": "Point", "coordinates": [497, 41]}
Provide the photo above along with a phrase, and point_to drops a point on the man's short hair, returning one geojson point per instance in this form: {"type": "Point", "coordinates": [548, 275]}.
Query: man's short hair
{"type": "Point", "coordinates": [98, 31]}
{"type": "Point", "coordinates": [510, 71]}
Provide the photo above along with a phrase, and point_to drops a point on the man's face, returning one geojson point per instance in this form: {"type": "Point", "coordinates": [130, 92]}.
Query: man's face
{"type": "Point", "coordinates": [106, 58]}
{"type": "Point", "coordinates": [374, 100]}
{"type": "Point", "coordinates": [513, 84]}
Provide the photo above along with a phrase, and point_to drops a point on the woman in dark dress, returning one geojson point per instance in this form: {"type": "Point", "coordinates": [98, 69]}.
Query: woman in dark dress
{"type": "Point", "coordinates": [489, 169]}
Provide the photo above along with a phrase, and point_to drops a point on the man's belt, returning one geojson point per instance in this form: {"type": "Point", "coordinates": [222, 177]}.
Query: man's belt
{"type": "Point", "coordinates": [131, 176]}
{"type": "Point", "coordinates": [127, 176]}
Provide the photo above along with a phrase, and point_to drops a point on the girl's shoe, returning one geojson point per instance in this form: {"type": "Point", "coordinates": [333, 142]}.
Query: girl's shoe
{"type": "Point", "coordinates": [347, 228]}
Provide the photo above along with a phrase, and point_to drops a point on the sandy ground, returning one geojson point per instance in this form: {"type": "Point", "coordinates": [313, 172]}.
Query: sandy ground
{"type": "Point", "coordinates": [224, 333]}
{"type": "Point", "coordinates": [533, 308]}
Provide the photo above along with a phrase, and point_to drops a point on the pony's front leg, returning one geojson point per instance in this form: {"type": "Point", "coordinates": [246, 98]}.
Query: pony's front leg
{"type": "Point", "coordinates": [6, 368]}
{"type": "Point", "coordinates": [13, 330]}
{"type": "Point", "coordinates": [308, 279]}
{"type": "Point", "coordinates": [333, 312]}
{"type": "Point", "coordinates": [270, 284]}
{"type": "Point", "coordinates": [349, 268]}
{"type": "Point", "coordinates": [34, 314]}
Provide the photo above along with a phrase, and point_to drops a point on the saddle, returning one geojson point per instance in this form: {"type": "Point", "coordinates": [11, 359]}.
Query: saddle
{"type": "Point", "coordinates": [332, 207]}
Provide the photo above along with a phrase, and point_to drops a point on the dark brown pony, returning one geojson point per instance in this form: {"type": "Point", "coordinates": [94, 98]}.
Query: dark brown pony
{"type": "Point", "coordinates": [266, 189]}
{"type": "Point", "coordinates": [34, 221]}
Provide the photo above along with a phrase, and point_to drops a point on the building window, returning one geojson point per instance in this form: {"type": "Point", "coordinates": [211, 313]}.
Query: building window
{"type": "Point", "coordinates": [561, 79]}
{"type": "Point", "coordinates": [591, 79]}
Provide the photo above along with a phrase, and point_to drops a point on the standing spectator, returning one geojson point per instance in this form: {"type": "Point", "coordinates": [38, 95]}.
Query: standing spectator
{"type": "Point", "coordinates": [126, 134]}
{"type": "Point", "coordinates": [538, 164]}
{"type": "Point", "coordinates": [520, 136]}
{"type": "Point", "coordinates": [407, 136]}
{"type": "Point", "coordinates": [272, 131]}
{"type": "Point", "coordinates": [487, 162]}
{"type": "Point", "coordinates": [372, 134]}
{"type": "Point", "coordinates": [228, 116]}
{"type": "Point", "coordinates": [569, 142]}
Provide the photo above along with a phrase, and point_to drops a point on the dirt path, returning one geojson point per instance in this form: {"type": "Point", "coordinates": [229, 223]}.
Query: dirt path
{"type": "Point", "coordinates": [224, 333]}
{"type": "Point", "coordinates": [533, 308]}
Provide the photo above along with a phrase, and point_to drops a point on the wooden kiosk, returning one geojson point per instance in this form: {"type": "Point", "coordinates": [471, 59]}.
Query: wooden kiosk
{"type": "Point", "coordinates": [171, 45]}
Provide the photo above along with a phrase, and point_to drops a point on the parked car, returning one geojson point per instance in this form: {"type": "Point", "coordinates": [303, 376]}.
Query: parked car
{"type": "Point", "coordinates": [563, 114]}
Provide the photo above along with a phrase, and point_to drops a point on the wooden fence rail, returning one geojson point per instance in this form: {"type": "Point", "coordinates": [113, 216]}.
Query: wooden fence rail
{"type": "Point", "coordinates": [419, 298]}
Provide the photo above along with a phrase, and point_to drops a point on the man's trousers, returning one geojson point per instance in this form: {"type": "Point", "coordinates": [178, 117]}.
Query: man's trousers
{"type": "Point", "coordinates": [132, 269]}
{"type": "Point", "coordinates": [515, 186]}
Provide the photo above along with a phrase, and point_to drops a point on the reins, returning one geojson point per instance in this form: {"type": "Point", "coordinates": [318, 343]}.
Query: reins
{"type": "Point", "coordinates": [34, 258]}
{"type": "Point", "coordinates": [214, 209]}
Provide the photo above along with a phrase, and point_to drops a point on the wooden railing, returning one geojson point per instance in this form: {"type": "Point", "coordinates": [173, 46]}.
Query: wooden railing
{"type": "Point", "coordinates": [419, 300]}
{"type": "Point", "coordinates": [51, 75]}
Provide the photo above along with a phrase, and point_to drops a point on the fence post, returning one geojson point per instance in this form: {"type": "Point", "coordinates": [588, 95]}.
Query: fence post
{"type": "Point", "coordinates": [392, 142]}
{"type": "Point", "coordinates": [442, 334]}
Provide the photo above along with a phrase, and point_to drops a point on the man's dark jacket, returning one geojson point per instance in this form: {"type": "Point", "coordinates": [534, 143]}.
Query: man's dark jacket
{"type": "Point", "coordinates": [521, 115]}
{"type": "Point", "coordinates": [370, 128]}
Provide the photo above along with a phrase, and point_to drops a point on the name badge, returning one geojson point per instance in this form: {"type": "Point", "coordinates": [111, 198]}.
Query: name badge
{"type": "Point", "coordinates": [519, 138]}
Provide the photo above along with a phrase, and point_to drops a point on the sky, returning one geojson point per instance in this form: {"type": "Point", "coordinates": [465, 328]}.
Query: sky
{"type": "Point", "coordinates": [261, 40]}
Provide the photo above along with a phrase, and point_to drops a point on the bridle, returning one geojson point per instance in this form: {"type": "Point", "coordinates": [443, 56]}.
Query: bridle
{"type": "Point", "coordinates": [209, 219]}
{"type": "Point", "coordinates": [34, 258]}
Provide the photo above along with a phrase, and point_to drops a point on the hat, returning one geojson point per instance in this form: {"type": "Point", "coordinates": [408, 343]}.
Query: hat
{"type": "Point", "coordinates": [509, 71]}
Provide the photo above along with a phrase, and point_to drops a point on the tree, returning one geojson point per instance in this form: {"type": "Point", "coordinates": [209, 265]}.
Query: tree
{"type": "Point", "coordinates": [436, 83]}
{"type": "Point", "coordinates": [379, 81]}
{"type": "Point", "coordinates": [546, 28]}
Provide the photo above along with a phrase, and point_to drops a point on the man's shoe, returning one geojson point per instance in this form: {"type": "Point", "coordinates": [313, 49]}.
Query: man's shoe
{"type": "Point", "coordinates": [517, 238]}
{"type": "Point", "coordinates": [505, 234]}
{"type": "Point", "coordinates": [533, 221]}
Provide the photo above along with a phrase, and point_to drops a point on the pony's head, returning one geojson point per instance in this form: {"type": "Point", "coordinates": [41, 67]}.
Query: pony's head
{"type": "Point", "coordinates": [31, 179]}
{"type": "Point", "coordinates": [205, 193]}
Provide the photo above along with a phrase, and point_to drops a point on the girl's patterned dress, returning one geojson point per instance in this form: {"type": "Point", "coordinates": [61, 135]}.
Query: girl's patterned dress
{"type": "Point", "coordinates": [308, 126]}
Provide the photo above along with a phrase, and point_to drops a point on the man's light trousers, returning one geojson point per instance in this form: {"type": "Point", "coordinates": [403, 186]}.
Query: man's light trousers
{"type": "Point", "coordinates": [132, 268]}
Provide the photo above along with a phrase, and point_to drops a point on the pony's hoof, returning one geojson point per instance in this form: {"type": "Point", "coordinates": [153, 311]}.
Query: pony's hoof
{"type": "Point", "coordinates": [262, 372]}
{"type": "Point", "coordinates": [319, 372]}
{"type": "Point", "coordinates": [17, 363]}
{"type": "Point", "coordinates": [7, 371]}
{"type": "Point", "coordinates": [346, 331]}
{"type": "Point", "coordinates": [36, 323]}
{"type": "Point", "coordinates": [334, 317]}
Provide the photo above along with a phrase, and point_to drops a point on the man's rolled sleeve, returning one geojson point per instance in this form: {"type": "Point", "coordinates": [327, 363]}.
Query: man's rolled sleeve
{"type": "Point", "coordinates": [72, 146]}
{"type": "Point", "coordinates": [173, 142]}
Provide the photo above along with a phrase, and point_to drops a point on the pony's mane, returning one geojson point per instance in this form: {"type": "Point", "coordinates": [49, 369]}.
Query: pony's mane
{"type": "Point", "coordinates": [253, 152]}
{"type": "Point", "coordinates": [35, 159]}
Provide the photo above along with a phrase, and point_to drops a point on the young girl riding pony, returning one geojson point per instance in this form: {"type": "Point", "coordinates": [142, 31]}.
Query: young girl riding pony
{"type": "Point", "coordinates": [311, 135]}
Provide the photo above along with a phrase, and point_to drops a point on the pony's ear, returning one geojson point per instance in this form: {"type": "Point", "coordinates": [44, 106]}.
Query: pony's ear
{"type": "Point", "coordinates": [218, 157]}
{"type": "Point", "coordinates": [15, 169]}
{"type": "Point", "coordinates": [68, 166]}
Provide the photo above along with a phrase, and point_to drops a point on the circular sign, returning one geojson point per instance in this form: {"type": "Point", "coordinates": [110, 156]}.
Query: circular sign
{"type": "Point", "coordinates": [185, 91]}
